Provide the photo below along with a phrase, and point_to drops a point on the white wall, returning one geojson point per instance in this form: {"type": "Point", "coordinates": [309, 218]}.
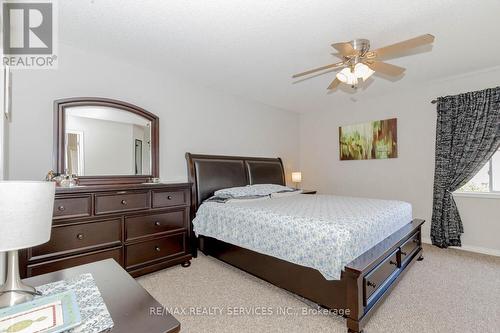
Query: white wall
{"type": "Point", "coordinates": [3, 127]}
{"type": "Point", "coordinates": [481, 217]}
{"type": "Point", "coordinates": [192, 118]}
{"type": "Point", "coordinates": [410, 176]}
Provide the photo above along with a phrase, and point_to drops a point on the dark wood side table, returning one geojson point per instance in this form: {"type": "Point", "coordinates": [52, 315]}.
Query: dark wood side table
{"type": "Point", "coordinates": [309, 191]}
{"type": "Point", "coordinates": [128, 303]}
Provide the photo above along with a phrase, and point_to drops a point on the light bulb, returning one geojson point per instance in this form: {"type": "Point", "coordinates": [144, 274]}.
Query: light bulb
{"type": "Point", "coordinates": [348, 77]}
{"type": "Point", "coordinates": [362, 71]}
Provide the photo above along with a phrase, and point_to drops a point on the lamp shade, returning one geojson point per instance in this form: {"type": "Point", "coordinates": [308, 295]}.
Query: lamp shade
{"type": "Point", "coordinates": [360, 71]}
{"type": "Point", "coordinates": [296, 177]}
{"type": "Point", "coordinates": [25, 213]}
{"type": "Point", "coordinates": [347, 76]}
{"type": "Point", "coordinates": [363, 71]}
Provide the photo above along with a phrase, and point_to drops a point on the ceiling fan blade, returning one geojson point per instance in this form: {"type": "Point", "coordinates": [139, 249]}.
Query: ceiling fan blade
{"type": "Point", "coordinates": [385, 68]}
{"type": "Point", "coordinates": [338, 55]}
{"type": "Point", "coordinates": [338, 64]}
{"type": "Point", "coordinates": [404, 46]}
{"type": "Point", "coordinates": [334, 84]}
{"type": "Point", "coordinates": [344, 49]}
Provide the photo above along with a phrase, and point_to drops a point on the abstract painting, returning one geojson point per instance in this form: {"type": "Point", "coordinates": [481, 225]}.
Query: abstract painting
{"type": "Point", "coordinates": [372, 140]}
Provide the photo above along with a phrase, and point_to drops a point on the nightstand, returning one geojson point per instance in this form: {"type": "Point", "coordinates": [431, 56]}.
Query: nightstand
{"type": "Point", "coordinates": [309, 191]}
{"type": "Point", "coordinates": [132, 308]}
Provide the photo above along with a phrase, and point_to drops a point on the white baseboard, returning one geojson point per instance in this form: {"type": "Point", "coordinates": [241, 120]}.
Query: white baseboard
{"type": "Point", "coordinates": [477, 249]}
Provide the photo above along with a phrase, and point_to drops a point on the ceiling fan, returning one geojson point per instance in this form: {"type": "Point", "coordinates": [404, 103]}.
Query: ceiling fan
{"type": "Point", "coordinates": [359, 62]}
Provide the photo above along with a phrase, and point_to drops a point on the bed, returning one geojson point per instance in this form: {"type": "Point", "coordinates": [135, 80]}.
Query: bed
{"type": "Point", "coordinates": [378, 256]}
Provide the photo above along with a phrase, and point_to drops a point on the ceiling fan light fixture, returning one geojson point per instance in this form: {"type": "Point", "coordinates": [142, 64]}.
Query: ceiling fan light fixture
{"type": "Point", "coordinates": [362, 71]}
{"type": "Point", "coordinates": [347, 77]}
{"type": "Point", "coordinates": [360, 62]}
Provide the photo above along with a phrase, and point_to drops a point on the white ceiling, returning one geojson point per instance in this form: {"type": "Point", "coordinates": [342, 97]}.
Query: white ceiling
{"type": "Point", "coordinates": [251, 48]}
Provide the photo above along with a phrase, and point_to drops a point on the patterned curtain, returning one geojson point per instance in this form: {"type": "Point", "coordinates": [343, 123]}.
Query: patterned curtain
{"type": "Point", "coordinates": [467, 135]}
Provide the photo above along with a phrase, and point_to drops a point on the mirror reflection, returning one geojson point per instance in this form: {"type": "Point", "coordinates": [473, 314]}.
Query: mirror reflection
{"type": "Point", "coordinates": [103, 141]}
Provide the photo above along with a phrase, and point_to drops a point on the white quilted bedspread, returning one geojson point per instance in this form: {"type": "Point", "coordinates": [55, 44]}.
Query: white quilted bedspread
{"type": "Point", "coordinates": [324, 232]}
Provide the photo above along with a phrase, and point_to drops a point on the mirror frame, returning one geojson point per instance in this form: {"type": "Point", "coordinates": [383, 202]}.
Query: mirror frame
{"type": "Point", "coordinates": [60, 106]}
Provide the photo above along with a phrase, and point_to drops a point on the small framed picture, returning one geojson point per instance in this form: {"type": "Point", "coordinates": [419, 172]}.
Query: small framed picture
{"type": "Point", "coordinates": [51, 314]}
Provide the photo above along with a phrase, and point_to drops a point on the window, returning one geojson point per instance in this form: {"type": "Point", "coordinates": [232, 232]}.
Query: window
{"type": "Point", "coordinates": [487, 180]}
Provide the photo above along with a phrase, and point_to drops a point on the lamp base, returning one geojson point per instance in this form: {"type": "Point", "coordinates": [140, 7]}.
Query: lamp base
{"type": "Point", "coordinates": [14, 291]}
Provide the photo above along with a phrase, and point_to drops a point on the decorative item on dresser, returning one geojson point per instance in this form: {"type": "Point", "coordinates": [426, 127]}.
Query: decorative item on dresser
{"type": "Point", "coordinates": [120, 210]}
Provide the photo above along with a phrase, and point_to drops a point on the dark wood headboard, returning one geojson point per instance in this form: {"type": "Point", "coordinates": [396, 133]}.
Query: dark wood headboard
{"type": "Point", "coordinates": [209, 173]}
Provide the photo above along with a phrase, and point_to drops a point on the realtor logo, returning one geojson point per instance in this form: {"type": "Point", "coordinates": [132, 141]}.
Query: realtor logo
{"type": "Point", "coordinates": [29, 34]}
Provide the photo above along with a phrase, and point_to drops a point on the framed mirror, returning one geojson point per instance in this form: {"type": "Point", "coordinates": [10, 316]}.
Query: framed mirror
{"type": "Point", "coordinates": [105, 141]}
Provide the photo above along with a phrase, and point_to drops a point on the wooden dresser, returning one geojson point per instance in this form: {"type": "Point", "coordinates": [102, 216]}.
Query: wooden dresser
{"type": "Point", "coordinates": [144, 227]}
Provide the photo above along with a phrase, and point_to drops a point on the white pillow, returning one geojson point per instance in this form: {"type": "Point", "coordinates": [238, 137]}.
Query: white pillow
{"type": "Point", "coordinates": [251, 190]}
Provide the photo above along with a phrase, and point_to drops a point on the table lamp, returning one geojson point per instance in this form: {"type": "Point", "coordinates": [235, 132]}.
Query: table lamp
{"type": "Point", "coordinates": [25, 221]}
{"type": "Point", "coordinates": [296, 178]}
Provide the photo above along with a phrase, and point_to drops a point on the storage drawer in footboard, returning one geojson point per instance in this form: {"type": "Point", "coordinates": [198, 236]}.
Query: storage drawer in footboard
{"type": "Point", "coordinates": [409, 248]}
{"type": "Point", "coordinates": [380, 276]}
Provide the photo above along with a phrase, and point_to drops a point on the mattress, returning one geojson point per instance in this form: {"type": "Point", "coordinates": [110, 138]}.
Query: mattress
{"type": "Point", "coordinates": [324, 232]}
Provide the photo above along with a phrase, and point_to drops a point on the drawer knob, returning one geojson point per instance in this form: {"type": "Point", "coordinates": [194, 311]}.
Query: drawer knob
{"type": "Point", "coordinates": [403, 253]}
{"type": "Point", "coordinates": [371, 284]}
{"type": "Point", "coordinates": [124, 202]}
{"type": "Point", "coordinates": [80, 236]}
{"type": "Point", "coordinates": [157, 223]}
{"type": "Point", "coordinates": [393, 263]}
{"type": "Point", "coordinates": [169, 197]}
{"type": "Point", "coordinates": [61, 208]}
{"type": "Point", "coordinates": [157, 249]}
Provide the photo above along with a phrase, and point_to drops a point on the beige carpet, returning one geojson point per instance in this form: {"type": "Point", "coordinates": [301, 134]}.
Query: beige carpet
{"type": "Point", "coordinates": [450, 291]}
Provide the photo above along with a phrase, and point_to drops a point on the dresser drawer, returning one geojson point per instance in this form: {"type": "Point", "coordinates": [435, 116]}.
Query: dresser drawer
{"type": "Point", "coordinates": [170, 198]}
{"type": "Point", "coordinates": [145, 225]}
{"type": "Point", "coordinates": [121, 202]}
{"type": "Point", "coordinates": [55, 265]}
{"type": "Point", "coordinates": [77, 237]}
{"type": "Point", "coordinates": [409, 247]}
{"type": "Point", "coordinates": [72, 207]}
{"type": "Point", "coordinates": [156, 249]}
{"type": "Point", "coordinates": [374, 280]}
